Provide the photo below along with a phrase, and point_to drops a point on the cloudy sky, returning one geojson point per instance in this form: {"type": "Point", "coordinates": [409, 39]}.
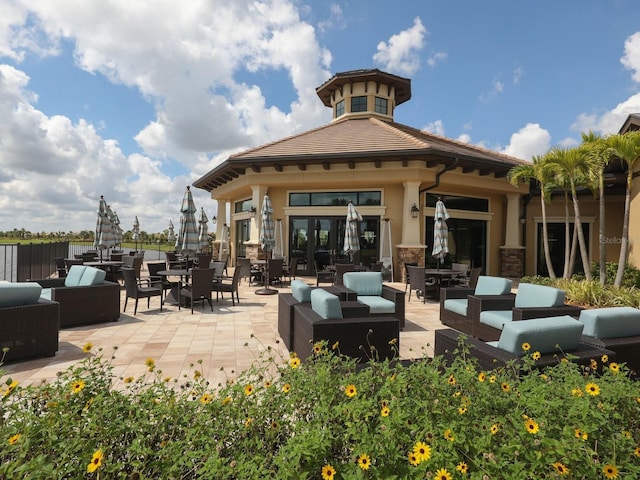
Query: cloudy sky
{"type": "Point", "coordinates": [134, 100]}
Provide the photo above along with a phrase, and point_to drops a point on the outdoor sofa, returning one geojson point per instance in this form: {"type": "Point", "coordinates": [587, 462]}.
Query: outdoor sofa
{"type": "Point", "coordinates": [28, 324]}
{"type": "Point", "coordinates": [347, 325]}
{"type": "Point", "coordinates": [85, 297]}
{"type": "Point", "coordinates": [383, 300]}
{"type": "Point", "coordinates": [555, 338]}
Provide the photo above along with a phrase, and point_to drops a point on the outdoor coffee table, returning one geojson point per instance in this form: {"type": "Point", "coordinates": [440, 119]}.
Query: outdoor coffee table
{"type": "Point", "coordinates": [174, 294]}
{"type": "Point", "coordinates": [439, 274]}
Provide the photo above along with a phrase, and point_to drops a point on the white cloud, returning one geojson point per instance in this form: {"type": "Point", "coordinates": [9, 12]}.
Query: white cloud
{"type": "Point", "coordinates": [436, 58]}
{"type": "Point", "coordinates": [335, 20]}
{"type": "Point", "coordinates": [517, 75]}
{"type": "Point", "coordinates": [189, 60]}
{"type": "Point", "coordinates": [464, 138]}
{"type": "Point", "coordinates": [530, 140]}
{"type": "Point", "coordinates": [497, 88]}
{"type": "Point", "coordinates": [631, 58]}
{"type": "Point", "coordinates": [608, 122]}
{"type": "Point", "coordinates": [436, 127]}
{"type": "Point", "coordinates": [400, 54]}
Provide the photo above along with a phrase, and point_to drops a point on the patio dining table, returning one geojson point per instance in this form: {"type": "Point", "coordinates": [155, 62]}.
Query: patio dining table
{"type": "Point", "coordinates": [173, 297]}
{"type": "Point", "coordinates": [440, 274]}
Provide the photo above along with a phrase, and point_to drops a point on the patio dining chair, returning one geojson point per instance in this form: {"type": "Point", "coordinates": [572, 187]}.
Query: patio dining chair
{"type": "Point", "coordinates": [156, 279]}
{"type": "Point", "coordinates": [275, 270]}
{"type": "Point", "coordinates": [322, 276]}
{"type": "Point", "coordinates": [200, 287]}
{"type": "Point", "coordinates": [224, 285]}
{"type": "Point", "coordinates": [134, 289]}
{"type": "Point", "coordinates": [420, 283]}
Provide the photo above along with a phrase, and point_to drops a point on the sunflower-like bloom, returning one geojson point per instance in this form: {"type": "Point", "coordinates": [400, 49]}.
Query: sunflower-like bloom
{"type": "Point", "coordinates": [385, 411]}
{"type": "Point", "coordinates": [442, 474]}
{"type": "Point", "coordinates": [422, 451]}
{"type": "Point", "coordinates": [592, 389]}
{"type": "Point", "coordinates": [463, 468]}
{"type": "Point", "coordinates": [96, 461]}
{"type": "Point", "coordinates": [526, 346]}
{"type": "Point", "coordinates": [248, 389]}
{"type": "Point", "coordinates": [294, 362]}
{"type": "Point", "coordinates": [286, 388]}
{"type": "Point", "coordinates": [206, 398]}
{"type": "Point", "coordinates": [77, 386]}
{"type": "Point", "coordinates": [86, 348]}
{"type": "Point", "coordinates": [531, 426]}
{"type": "Point", "coordinates": [561, 469]}
{"type": "Point", "coordinates": [328, 472]}
{"type": "Point", "coordinates": [350, 391]}
{"type": "Point", "coordinates": [610, 471]}
{"type": "Point", "coordinates": [364, 461]}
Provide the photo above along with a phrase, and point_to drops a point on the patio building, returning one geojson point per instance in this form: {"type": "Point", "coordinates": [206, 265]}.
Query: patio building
{"type": "Point", "coordinates": [393, 174]}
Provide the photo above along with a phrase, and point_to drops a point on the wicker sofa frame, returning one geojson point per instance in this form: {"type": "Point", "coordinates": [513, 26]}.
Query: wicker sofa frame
{"type": "Point", "coordinates": [84, 305]}
{"type": "Point", "coordinates": [30, 330]}
{"type": "Point", "coordinates": [627, 350]}
{"type": "Point", "coordinates": [356, 333]}
{"type": "Point", "coordinates": [471, 325]}
{"type": "Point", "coordinates": [490, 358]}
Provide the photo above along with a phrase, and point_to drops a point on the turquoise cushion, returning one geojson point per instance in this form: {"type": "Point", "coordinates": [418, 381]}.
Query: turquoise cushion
{"type": "Point", "coordinates": [325, 304]}
{"type": "Point", "coordinates": [611, 322]}
{"type": "Point", "coordinates": [545, 335]}
{"type": "Point", "coordinates": [75, 274]}
{"type": "Point", "coordinates": [493, 286]}
{"type": "Point", "coordinates": [300, 291]}
{"type": "Point", "coordinates": [46, 293]}
{"type": "Point", "coordinates": [364, 283]}
{"type": "Point", "coordinates": [457, 305]}
{"type": "Point", "coordinates": [377, 304]}
{"type": "Point", "coordinates": [496, 318]}
{"type": "Point", "coordinates": [92, 276]}
{"type": "Point", "coordinates": [22, 293]}
{"type": "Point", "coordinates": [530, 295]}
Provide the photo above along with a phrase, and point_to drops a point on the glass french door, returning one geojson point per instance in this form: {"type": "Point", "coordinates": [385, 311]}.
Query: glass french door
{"type": "Point", "coordinates": [467, 243]}
{"type": "Point", "coordinates": [317, 241]}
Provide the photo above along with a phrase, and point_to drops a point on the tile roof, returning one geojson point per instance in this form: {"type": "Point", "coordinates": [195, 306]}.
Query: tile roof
{"type": "Point", "coordinates": [359, 139]}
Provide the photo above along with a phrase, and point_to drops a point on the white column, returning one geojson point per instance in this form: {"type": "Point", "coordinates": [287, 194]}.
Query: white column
{"type": "Point", "coordinates": [257, 195]}
{"type": "Point", "coordinates": [512, 221]}
{"type": "Point", "coordinates": [411, 227]}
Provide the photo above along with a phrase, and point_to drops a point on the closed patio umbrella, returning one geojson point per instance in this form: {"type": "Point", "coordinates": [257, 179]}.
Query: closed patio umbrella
{"type": "Point", "coordinates": [278, 248]}
{"type": "Point", "coordinates": [104, 237]}
{"type": "Point", "coordinates": [136, 232]}
{"type": "Point", "coordinates": [171, 235]}
{"type": "Point", "coordinates": [440, 232]}
{"type": "Point", "coordinates": [187, 241]}
{"type": "Point", "coordinates": [203, 237]}
{"type": "Point", "coordinates": [351, 240]}
{"type": "Point", "coordinates": [267, 239]}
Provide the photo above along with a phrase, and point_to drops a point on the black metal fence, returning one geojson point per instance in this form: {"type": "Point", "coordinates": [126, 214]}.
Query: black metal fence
{"type": "Point", "coordinates": [21, 262]}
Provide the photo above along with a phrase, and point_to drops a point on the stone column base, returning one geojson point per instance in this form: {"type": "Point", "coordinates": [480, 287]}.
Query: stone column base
{"type": "Point", "coordinates": [512, 262]}
{"type": "Point", "coordinates": [408, 253]}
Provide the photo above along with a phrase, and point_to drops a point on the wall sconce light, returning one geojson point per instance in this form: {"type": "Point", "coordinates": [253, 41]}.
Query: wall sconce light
{"type": "Point", "coordinates": [414, 211]}
{"type": "Point", "coordinates": [214, 220]}
{"type": "Point", "coordinates": [252, 212]}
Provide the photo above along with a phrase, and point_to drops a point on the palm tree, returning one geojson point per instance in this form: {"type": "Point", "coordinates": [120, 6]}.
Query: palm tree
{"type": "Point", "coordinates": [540, 171]}
{"type": "Point", "coordinates": [599, 156]}
{"type": "Point", "coordinates": [573, 168]}
{"type": "Point", "coordinates": [626, 147]}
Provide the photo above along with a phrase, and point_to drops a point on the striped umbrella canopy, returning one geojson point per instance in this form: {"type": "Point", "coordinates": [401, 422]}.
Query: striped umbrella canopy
{"type": "Point", "coordinates": [104, 229]}
{"type": "Point", "coordinates": [267, 234]}
{"type": "Point", "coordinates": [115, 222]}
{"type": "Point", "coordinates": [187, 240]}
{"type": "Point", "coordinates": [171, 235]}
{"type": "Point", "coordinates": [136, 232]}
{"type": "Point", "coordinates": [224, 242]}
{"type": "Point", "coordinates": [351, 240]}
{"type": "Point", "coordinates": [203, 236]}
{"type": "Point", "coordinates": [440, 232]}
{"type": "Point", "coordinates": [278, 249]}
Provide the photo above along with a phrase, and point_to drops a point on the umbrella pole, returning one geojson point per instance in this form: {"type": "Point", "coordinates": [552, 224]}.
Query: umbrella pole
{"type": "Point", "coordinates": [266, 290]}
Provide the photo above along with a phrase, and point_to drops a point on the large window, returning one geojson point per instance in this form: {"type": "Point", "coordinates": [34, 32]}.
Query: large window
{"type": "Point", "coordinates": [358, 104]}
{"type": "Point", "coordinates": [243, 206]}
{"type": "Point", "coordinates": [381, 105]}
{"type": "Point", "coordinates": [459, 203]}
{"type": "Point", "coordinates": [340, 108]}
{"type": "Point", "coordinates": [333, 199]}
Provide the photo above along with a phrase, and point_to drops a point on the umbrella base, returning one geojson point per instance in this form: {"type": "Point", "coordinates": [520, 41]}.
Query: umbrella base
{"type": "Point", "coordinates": [266, 291]}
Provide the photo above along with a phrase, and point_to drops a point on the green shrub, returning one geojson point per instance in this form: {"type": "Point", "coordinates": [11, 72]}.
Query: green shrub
{"type": "Point", "coordinates": [325, 418]}
{"type": "Point", "coordinates": [631, 276]}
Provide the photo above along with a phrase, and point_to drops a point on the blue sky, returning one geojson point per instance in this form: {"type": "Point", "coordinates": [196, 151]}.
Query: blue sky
{"type": "Point", "coordinates": [136, 100]}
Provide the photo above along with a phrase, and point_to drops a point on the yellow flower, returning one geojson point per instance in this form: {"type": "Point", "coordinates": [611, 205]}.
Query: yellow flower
{"type": "Point", "coordinates": [495, 428]}
{"type": "Point", "coordinates": [248, 422]}
{"type": "Point", "coordinates": [614, 367]}
{"type": "Point", "coordinates": [594, 364]}
{"type": "Point", "coordinates": [561, 469]}
{"type": "Point", "coordinates": [197, 374]}
{"type": "Point", "coordinates": [248, 389]}
{"type": "Point", "coordinates": [286, 388]}
{"type": "Point", "coordinates": [482, 377]}
{"type": "Point", "coordinates": [581, 434]}
{"type": "Point", "coordinates": [505, 387]}
{"type": "Point", "coordinates": [492, 379]}
{"type": "Point", "coordinates": [462, 410]}
{"type": "Point", "coordinates": [226, 400]}
{"type": "Point", "coordinates": [294, 362]}
{"type": "Point", "coordinates": [128, 380]}
{"type": "Point", "coordinates": [335, 346]}
{"type": "Point", "coordinates": [77, 386]}
{"type": "Point", "coordinates": [150, 363]}
{"type": "Point", "coordinates": [610, 471]}
{"type": "Point", "coordinates": [526, 347]}
{"type": "Point", "coordinates": [350, 391]}
{"type": "Point", "coordinates": [636, 451]}
{"type": "Point", "coordinates": [86, 348]}
{"type": "Point", "coordinates": [12, 386]}
{"type": "Point", "coordinates": [14, 438]}
{"type": "Point", "coordinates": [413, 459]}
{"type": "Point", "coordinates": [576, 392]}
{"type": "Point", "coordinates": [463, 468]}
{"type": "Point", "coordinates": [452, 380]}
{"type": "Point", "coordinates": [96, 461]}
{"type": "Point", "coordinates": [364, 462]}
{"type": "Point", "coordinates": [267, 383]}
{"type": "Point", "coordinates": [536, 356]}
{"type": "Point", "coordinates": [442, 474]}
{"type": "Point", "coordinates": [317, 348]}
{"type": "Point", "coordinates": [604, 358]}
{"type": "Point", "coordinates": [448, 435]}
{"type": "Point", "coordinates": [385, 411]}
{"type": "Point", "coordinates": [422, 451]}
{"type": "Point", "coordinates": [531, 426]}
{"type": "Point", "coordinates": [206, 398]}
{"type": "Point", "coordinates": [328, 472]}
{"type": "Point", "coordinates": [592, 389]}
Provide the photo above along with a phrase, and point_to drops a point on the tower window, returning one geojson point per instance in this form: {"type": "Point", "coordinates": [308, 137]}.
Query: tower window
{"type": "Point", "coordinates": [381, 105]}
{"type": "Point", "coordinates": [359, 104]}
{"type": "Point", "coordinates": [339, 108]}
